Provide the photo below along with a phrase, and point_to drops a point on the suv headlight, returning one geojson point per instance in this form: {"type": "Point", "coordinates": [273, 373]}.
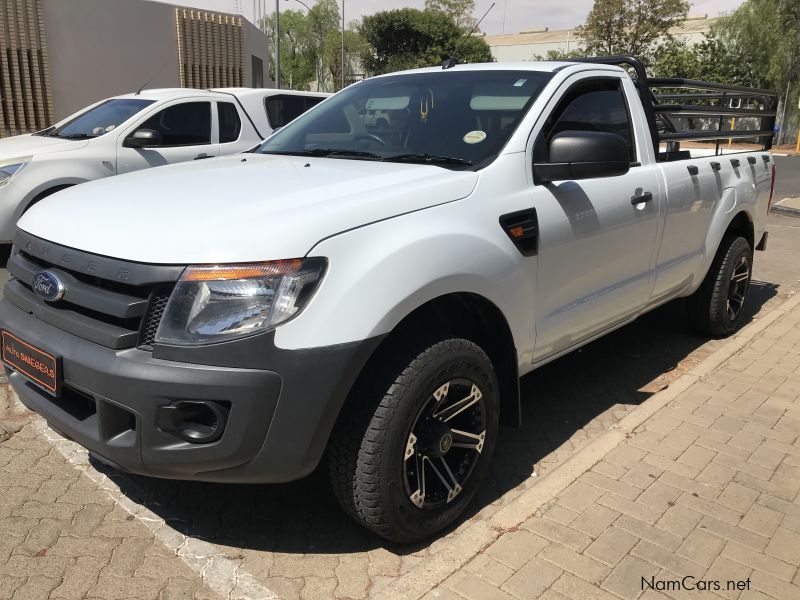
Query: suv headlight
{"type": "Point", "coordinates": [218, 302]}
{"type": "Point", "coordinates": [9, 168]}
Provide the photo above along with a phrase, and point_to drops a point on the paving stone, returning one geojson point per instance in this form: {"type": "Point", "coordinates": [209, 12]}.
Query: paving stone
{"type": "Point", "coordinates": [472, 587]}
{"type": "Point", "coordinates": [594, 520]}
{"type": "Point", "coordinates": [516, 548]}
{"type": "Point", "coordinates": [557, 533]}
{"type": "Point", "coordinates": [610, 485]}
{"type": "Point", "coordinates": [697, 457]}
{"type": "Point", "coordinates": [567, 559]}
{"type": "Point", "coordinates": [490, 569]}
{"type": "Point", "coordinates": [785, 544]}
{"type": "Point", "coordinates": [576, 588]}
{"type": "Point", "coordinates": [731, 576]}
{"type": "Point", "coordinates": [659, 496]}
{"type": "Point", "coordinates": [579, 496]}
{"type": "Point", "coordinates": [641, 475]}
{"type": "Point", "coordinates": [636, 510]}
{"type": "Point", "coordinates": [762, 520]}
{"type": "Point", "coordinates": [666, 560]}
{"type": "Point", "coordinates": [734, 533]}
{"type": "Point", "coordinates": [756, 560]}
{"type": "Point", "coordinates": [626, 578]}
{"type": "Point", "coordinates": [611, 546]}
{"type": "Point", "coordinates": [532, 579]}
{"type": "Point", "coordinates": [701, 547]}
{"type": "Point", "coordinates": [737, 497]}
{"type": "Point", "coordinates": [709, 508]}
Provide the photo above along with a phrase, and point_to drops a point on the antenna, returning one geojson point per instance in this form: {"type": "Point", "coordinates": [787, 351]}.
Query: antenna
{"type": "Point", "coordinates": [451, 60]}
{"type": "Point", "coordinates": [156, 74]}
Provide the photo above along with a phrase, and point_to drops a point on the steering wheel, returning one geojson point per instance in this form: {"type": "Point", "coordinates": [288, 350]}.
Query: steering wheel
{"type": "Point", "coordinates": [371, 137]}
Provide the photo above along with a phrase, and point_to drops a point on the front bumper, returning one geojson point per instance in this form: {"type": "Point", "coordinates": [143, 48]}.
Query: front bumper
{"type": "Point", "coordinates": [279, 417]}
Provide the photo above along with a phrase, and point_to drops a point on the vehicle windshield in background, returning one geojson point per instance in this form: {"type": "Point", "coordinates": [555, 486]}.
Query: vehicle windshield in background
{"type": "Point", "coordinates": [103, 118]}
{"type": "Point", "coordinates": [451, 119]}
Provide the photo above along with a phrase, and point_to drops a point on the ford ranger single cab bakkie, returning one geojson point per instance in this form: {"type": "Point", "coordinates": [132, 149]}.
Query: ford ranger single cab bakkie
{"type": "Point", "coordinates": [365, 296]}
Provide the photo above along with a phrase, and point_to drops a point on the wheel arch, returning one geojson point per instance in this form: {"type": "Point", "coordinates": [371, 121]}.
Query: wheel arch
{"type": "Point", "coordinates": [472, 317]}
{"type": "Point", "coordinates": [741, 224]}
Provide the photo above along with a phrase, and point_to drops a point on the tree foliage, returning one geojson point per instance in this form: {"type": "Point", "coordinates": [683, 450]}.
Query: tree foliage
{"type": "Point", "coordinates": [630, 26]}
{"type": "Point", "coordinates": [458, 11]}
{"type": "Point", "coordinates": [408, 38]}
{"type": "Point", "coordinates": [311, 46]}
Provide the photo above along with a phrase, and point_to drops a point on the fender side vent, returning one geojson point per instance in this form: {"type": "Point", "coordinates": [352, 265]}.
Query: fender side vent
{"type": "Point", "coordinates": [522, 228]}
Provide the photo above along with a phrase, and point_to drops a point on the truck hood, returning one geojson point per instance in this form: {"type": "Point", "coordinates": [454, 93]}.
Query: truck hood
{"type": "Point", "coordinates": [31, 145]}
{"type": "Point", "coordinates": [236, 209]}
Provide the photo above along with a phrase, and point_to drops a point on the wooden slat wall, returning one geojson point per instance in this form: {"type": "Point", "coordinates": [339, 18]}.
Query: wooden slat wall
{"type": "Point", "coordinates": [209, 48]}
{"type": "Point", "coordinates": [26, 102]}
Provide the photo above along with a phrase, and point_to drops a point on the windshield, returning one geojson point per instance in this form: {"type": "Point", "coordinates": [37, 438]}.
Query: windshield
{"type": "Point", "coordinates": [454, 119]}
{"type": "Point", "coordinates": [103, 118]}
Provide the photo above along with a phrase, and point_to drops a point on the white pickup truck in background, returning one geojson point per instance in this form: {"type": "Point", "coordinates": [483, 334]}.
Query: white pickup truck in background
{"type": "Point", "coordinates": [372, 295]}
{"type": "Point", "coordinates": [137, 131]}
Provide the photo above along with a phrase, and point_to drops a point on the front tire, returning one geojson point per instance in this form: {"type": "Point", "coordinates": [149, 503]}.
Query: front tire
{"type": "Point", "coordinates": [717, 307]}
{"type": "Point", "coordinates": [415, 439]}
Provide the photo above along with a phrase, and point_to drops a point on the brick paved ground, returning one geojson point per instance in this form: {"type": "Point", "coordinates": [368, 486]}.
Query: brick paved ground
{"type": "Point", "coordinates": [708, 487]}
{"type": "Point", "coordinates": [63, 537]}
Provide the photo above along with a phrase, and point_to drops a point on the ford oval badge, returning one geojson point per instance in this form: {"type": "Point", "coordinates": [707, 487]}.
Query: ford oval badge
{"type": "Point", "coordinates": [48, 285]}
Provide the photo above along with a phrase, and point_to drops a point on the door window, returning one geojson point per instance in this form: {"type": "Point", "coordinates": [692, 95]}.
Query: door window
{"type": "Point", "coordinates": [593, 105]}
{"type": "Point", "coordinates": [229, 123]}
{"type": "Point", "coordinates": [282, 109]}
{"type": "Point", "coordinates": [187, 124]}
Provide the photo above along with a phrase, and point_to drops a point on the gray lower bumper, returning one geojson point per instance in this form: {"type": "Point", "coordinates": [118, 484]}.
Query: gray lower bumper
{"type": "Point", "coordinates": [277, 425]}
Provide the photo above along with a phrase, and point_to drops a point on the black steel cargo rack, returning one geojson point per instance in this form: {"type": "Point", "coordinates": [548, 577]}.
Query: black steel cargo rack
{"type": "Point", "coordinates": [667, 100]}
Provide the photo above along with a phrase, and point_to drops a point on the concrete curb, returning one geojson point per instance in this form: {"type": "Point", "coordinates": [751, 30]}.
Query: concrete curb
{"type": "Point", "coordinates": [471, 539]}
{"type": "Point", "coordinates": [784, 210]}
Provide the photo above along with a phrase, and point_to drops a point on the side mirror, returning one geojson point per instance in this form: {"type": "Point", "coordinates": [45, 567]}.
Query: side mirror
{"type": "Point", "coordinates": [143, 138]}
{"type": "Point", "coordinates": [584, 155]}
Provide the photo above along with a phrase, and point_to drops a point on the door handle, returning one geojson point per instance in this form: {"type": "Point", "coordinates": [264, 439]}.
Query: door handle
{"type": "Point", "coordinates": [203, 155]}
{"type": "Point", "coordinates": [645, 197]}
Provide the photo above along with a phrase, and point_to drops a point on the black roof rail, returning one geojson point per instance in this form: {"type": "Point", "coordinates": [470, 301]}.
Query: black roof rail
{"type": "Point", "coordinates": [697, 100]}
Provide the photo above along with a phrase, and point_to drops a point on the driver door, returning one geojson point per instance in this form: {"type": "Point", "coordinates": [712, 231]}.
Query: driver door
{"type": "Point", "coordinates": [596, 242]}
{"type": "Point", "coordinates": [187, 131]}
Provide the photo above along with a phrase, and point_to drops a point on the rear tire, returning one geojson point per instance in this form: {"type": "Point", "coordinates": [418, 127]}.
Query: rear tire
{"type": "Point", "coordinates": [435, 405]}
{"type": "Point", "coordinates": [717, 307]}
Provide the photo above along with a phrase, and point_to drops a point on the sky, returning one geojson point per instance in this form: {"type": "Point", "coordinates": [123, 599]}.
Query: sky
{"type": "Point", "coordinates": [507, 16]}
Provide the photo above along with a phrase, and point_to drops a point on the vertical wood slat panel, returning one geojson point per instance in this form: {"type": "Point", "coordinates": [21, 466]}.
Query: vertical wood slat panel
{"type": "Point", "coordinates": [39, 104]}
{"type": "Point", "coordinates": [26, 102]}
{"type": "Point", "coordinates": [6, 118]}
{"type": "Point", "coordinates": [210, 48]}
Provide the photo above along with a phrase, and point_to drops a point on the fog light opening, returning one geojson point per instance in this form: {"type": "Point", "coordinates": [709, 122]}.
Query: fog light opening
{"type": "Point", "coordinates": [198, 422]}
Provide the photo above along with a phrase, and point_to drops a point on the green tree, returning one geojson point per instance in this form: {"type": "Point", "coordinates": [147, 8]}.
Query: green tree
{"type": "Point", "coordinates": [408, 38]}
{"type": "Point", "coordinates": [630, 26]}
{"type": "Point", "coordinates": [458, 11]}
{"type": "Point", "coordinates": [311, 46]}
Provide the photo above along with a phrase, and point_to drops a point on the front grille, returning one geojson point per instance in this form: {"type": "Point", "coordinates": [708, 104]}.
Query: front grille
{"type": "Point", "coordinates": [113, 303]}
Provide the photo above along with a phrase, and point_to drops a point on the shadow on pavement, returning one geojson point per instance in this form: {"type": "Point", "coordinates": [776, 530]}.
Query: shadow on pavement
{"type": "Point", "coordinates": [562, 402]}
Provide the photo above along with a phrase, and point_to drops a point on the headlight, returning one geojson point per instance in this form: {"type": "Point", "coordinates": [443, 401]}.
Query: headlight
{"type": "Point", "coordinates": [219, 302]}
{"type": "Point", "coordinates": [9, 168]}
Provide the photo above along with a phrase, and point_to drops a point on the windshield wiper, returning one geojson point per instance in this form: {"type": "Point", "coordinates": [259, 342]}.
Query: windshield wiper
{"type": "Point", "coordinates": [74, 136]}
{"type": "Point", "coordinates": [44, 132]}
{"type": "Point", "coordinates": [429, 158]}
{"type": "Point", "coordinates": [329, 152]}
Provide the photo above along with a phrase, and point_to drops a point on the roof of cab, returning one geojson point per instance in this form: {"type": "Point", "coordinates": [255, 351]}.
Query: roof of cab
{"type": "Point", "coordinates": [170, 93]}
{"type": "Point", "coordinates": [540, 65]}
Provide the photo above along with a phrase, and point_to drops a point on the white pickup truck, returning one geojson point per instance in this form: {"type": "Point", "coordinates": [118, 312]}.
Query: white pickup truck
{"type": "Point", "coordinates": [137, 131]}
{"type": "Point", "coordinates": [373, 297]}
